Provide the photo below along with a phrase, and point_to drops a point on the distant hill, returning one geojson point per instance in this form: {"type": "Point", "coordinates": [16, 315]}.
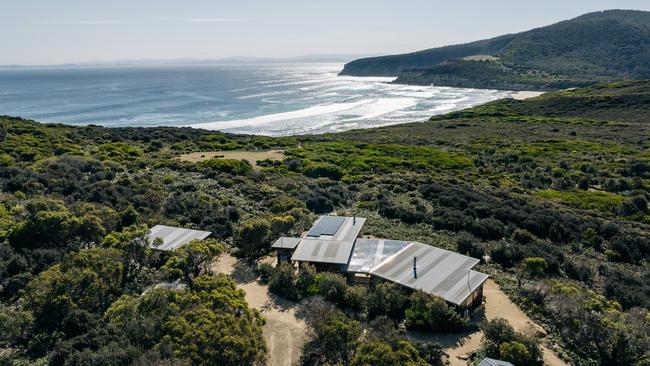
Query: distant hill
{"type": "Point", "coordinates": [601, 46]}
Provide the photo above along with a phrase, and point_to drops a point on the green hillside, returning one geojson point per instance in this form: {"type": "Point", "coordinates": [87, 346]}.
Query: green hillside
{"type": "Point", "coordinates": [601, 46]}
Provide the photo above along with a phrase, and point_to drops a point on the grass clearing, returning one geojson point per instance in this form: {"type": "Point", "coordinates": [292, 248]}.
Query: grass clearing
{"type": "Point", "coordinates": [251, 156]}
{"type": "Point", "coordinates": [586, 200]}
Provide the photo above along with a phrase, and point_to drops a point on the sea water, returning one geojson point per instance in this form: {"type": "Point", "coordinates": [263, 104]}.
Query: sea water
{"type": "Point", "coordinates": [268, 99]}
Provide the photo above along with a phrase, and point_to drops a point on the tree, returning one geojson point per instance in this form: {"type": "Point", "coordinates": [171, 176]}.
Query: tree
{"type": "Point", "coordinates": [534, 267]}
{"type": "Point", "coordinates": [3, 132]}
{"type": "Point", "coordinates": [193, 259]}
{"type": "Point", "coordinates": [516, 353]}
{"type": "Point", "coordinates": [253, 235]}
{"type": "Point", "coordinates": [339, 337]}
{"type": "Point", "coordinates": [15, 325]}
{"type": "Point", "coordinates": [283, 282]}
{"type": "Point", "coordinates": [56, 228]}
{"type": "Point", "coordinates": [432, 313]}
{"type": "Point", "coordinates": [332, 287]}
{"type": "Point", "coordinates": [500, 340]}
{"type": "Point", "coordinates": [282, 224]}
{"type": "Point", "coordinates": [208, 324]}
{"type": "Point", "coordinates": [377, 353]}
{"type": "Point", "coordinates": [88, 280]}
{"type": "Point", "coordinates": [386, 299]}
{"type": "Point", "coordinates": [134, 244]}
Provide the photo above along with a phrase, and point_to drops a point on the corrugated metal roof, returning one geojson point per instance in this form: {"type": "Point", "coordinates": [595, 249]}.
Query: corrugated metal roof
{"type": "Point", "coordinates": [174, 237]}
{"type": "Point", "coordinates": [323, 251]}
{"type": "Point", "coordinates": [463, 289]}
{"type": "Point", "coordinates": [286, 243]}
{"type": "Point", "coordinates": [336, 228]}
{"type": "Point", "coordinates": [493, 362]}
{"type": "Point", "coordinates": [439, 272]}
{"type": "Point", "coordinates": [368, 253]}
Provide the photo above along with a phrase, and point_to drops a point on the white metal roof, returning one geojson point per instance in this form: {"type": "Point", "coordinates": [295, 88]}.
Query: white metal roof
{"type": "Point", "coordinates": [368, 253]}
{"type": "Point", "coordinates": [493, 362]}
{"type": "Point", "coordinates": [323, 251]}
{"type": "Point", "coordinates": [439, 272]}
{"type": "Point", "coordinates": [174, 237]}
{"type": "Point", "coordinates": [286, 243]}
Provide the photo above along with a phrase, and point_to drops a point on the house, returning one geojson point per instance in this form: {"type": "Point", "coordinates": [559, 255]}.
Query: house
{"type": "Point", "coordinates": [493, 362]}
{"type": "Point", "coordinates": [329, 243]}
{"type": "Point", "coordinates": [168, 238]}
{"type": "Point", "coordinates": [334, 244]}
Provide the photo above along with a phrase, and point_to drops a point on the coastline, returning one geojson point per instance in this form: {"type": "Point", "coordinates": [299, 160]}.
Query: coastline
{"type": "Point", "coordinates": [522, 95]}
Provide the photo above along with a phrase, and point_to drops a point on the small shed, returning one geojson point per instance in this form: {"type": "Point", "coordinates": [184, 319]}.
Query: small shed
{"type": "Point", "coordinates": [173, 237]}
{"type": "Point", "coordinates": [492, 362]}
{"type": "Point", "coordinates": [284, 248]}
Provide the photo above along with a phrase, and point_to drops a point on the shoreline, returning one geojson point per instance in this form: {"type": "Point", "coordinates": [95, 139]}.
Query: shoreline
{"type": "Point", "coordinates": [523, 95]}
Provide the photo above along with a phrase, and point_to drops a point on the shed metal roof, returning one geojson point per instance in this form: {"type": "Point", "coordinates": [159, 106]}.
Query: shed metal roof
{"type": "Point", "coordinates": [368, 253]}
{"type": "Point", "coordinates": [174, 237]}
{"type": "Point", "coordinates": [286, 243]}
{"type": "Point", "coordinates": [439, 272]}
{"type": "Point", "coordinates": [493, 362]}
{"type": "Point", "coordinates": [323, 251]}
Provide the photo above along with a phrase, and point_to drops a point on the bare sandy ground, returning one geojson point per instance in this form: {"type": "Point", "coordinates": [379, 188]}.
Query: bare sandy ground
{"type": "Point", "coordinates": [251, 156]}
{"type": "Point", "coordinates": [283, 332]}
{"type": "Point", "coordinates": [497, 305]}
{"type": "Point", "coordinates": [521, 95]}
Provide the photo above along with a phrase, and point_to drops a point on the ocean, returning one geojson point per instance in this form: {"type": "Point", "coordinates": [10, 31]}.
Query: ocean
{"type": "Point", "coordinates": [266, 99]}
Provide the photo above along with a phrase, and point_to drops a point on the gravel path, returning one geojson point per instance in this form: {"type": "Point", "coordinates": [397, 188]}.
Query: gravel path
{"type": "Point", "coordinates": [283, 332]}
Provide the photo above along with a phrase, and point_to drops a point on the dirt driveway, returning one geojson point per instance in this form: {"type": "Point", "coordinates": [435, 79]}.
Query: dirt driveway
{"type": "Point", "coordinates": [497, 305]}
{"type": "Point", "coordinates": [283, 332]}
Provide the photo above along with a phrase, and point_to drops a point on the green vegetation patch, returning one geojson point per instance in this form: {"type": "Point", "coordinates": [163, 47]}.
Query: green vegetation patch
{"type": "Point", "coordinates": [357, 158]}
{"type": "Point", "coordinates": [587, 200]}
{"type": "Point", "coordinates": [231, 166]}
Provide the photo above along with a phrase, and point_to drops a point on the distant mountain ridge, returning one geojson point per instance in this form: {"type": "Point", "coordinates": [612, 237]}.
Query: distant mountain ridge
{"type": "Point", "coordinates": [600, 46]}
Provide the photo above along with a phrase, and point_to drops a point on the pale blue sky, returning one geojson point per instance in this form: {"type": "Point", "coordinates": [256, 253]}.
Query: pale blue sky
{"type": "Point", "coordinates": [60, 31]}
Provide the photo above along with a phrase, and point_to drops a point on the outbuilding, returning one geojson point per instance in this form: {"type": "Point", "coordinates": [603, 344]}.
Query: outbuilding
{"type": "Point", "coordinates": [169, 238]}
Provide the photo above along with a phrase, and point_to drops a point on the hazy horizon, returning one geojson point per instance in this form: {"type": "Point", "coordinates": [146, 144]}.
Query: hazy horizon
{"type": "Point", "coordinates": [78, 31]}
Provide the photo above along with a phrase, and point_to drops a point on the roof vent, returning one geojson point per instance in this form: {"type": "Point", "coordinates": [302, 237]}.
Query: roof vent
{"type": "Point", "coordinates": [415, 267]}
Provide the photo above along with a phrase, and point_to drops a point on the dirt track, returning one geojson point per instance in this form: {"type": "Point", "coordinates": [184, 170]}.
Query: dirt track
{"type": "Point", "coordinates": [251, 156]}
{"type": "Point", "coordinates": [498, 305]}
{"type": "Point", "coordinates": [283, 332]}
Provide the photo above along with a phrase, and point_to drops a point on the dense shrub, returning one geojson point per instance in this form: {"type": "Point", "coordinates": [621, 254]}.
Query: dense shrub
{"type": "Point", "coordinates": [501, 341]}
{"type": "Point", "coordinates": [386, 299]}
{"type": "Point", "coordinates": [468, 245]}
{"type": "Point", "coordinates": [230, 166]}
{"type": "Point", "coordinates": [253, 235]}
{"type": "Point", "coordinates": [283, 281]}
{"type": "Point", "coordinates": [323, 170]}
{"type": "Point", "coordinates": [332, 286]}
{"type": "Point", "coordinates": [432, 313]}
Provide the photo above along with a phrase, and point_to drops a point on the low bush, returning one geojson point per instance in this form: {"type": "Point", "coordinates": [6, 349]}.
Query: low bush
{"type": "Point", "coordinates": [431, 313]}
